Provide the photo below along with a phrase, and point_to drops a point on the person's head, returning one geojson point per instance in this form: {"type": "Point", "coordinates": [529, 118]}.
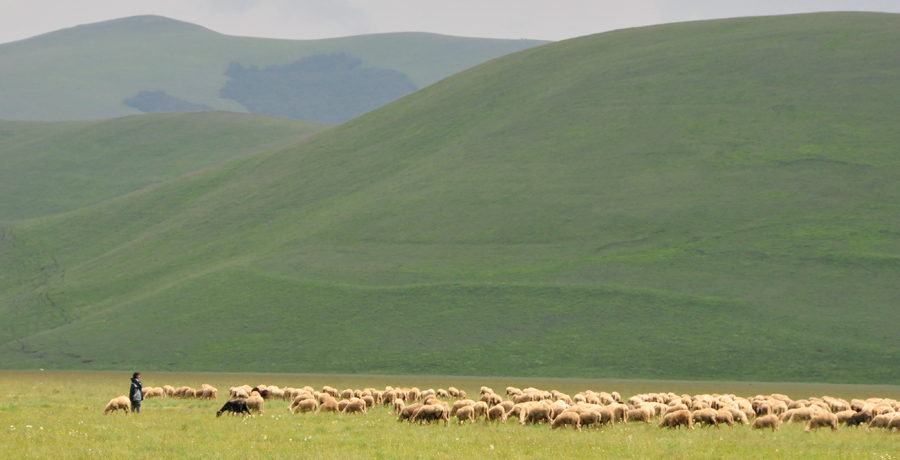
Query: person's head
{"type": "Point", "coordinates": [135, 375]}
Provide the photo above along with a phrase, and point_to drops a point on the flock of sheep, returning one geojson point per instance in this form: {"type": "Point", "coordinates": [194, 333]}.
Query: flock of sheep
{"type": "Point", "coordinates": [533, 406]}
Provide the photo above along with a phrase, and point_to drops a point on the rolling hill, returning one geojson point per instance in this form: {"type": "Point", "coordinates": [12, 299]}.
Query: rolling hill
{"type": "Point", "coordinates": [712, 200]}
{"type": "Point", "coordinates": [53, 167]}
{"type": "Point", "coordinates": [86, 72]}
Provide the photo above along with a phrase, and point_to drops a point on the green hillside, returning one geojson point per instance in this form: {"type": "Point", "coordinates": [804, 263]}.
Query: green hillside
{"type": "Point", "coordinates": [48, 168]}
{"type": "Point", "coordinates": [86, 72]}
{"type": "Point", "coordinates": [712, 200]}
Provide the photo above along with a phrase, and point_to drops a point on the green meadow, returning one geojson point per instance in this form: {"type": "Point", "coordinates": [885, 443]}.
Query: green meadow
{"type": "Point", "coordinates": [85, 72]}
{"type": "Point", "coordinates": [54, 167]}
{"type": "Point", "coordinates": [713, 200]}
{"type": "Point", "coordinates": [59, 415]}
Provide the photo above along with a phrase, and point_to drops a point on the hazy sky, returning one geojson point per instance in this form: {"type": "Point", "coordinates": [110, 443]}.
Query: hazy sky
{"type": "Point", "coordinates": [542, 19]}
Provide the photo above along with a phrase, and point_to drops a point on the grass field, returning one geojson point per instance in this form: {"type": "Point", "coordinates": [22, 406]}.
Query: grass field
{"type": "Point", "coordinates": [50, 168]}
{"type": "Point", "coordinates": [703, 201]}
{"type": "Point", "coordinates": [86, 72]}
{"type": "Point", "coordinates": [59, 415]}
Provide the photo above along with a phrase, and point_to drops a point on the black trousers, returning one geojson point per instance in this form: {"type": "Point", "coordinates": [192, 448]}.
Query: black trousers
{"type": "Point", "coordinates": [136, 406]}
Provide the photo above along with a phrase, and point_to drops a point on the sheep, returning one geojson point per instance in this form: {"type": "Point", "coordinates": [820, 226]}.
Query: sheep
{"type": "Point", "coordinates": [738, 416]}
{"type": "Point", "coordinates": [398, 405]}
{"type": "Point", "coordinates": [566, 418]}
{"type": "Point", "coordinates": [677, 419]}
{"type": "Point", "coordinates": [370, 401]}
{"type": "Point", "coordinates": [675, 408]}
{"type": "Point", "coordinates": [460, 403]}
{"type": "Point", "coordinates": [154, 393]}
{"type": "Point", "coordinates": [820, 420]}
{"type": "Point", "coordinates": [485, 390]}
{"type": "Point", "coordinates": [122, 402]}
{"type": "Point", "coordinates": [859, 418]}
{"type": "Point", "coordinates": [894, 423]}
{"type": "Point", "coordinates": [462, 394]}
{"type": "Point", "coordinates": [535, 413]}
{"type": "Point", "coordinates": [642, 414]}
{"type": "Point", "coordinates": [506, 405]}
{"type": "Point", "coordinates": [408, 411]}
{"type": "Point", "coordinates": [238, 393]}
{"type": "Point", "coordinates": [766, 421]}
{"type": "Point", "coordinates": [706, 417]}
{"type": "Point", "coordinates": [328, 405]}
{"type": "Point", "coordinates": [491, 399]}
{"type": "Point", "coordinates": [442, 393]}
{"type": "Point", "coordinates": [235, 406]}
{"type": "Point", "coordinates": [465, 413]}
{"type": "Point", "coordinates": [480, 408]}
{"type": "Point", "coordinates": [256, 403]}
{"type": "Point", "coordinates": [725, 416]}
{"type": "Point", "coordinates": [431, 413]}
{"type": "Point", "coordinates": [169, 390]}
{"type": "Point", "coordinates": [355, 406]}
{"type": "Point", "coordinates": [304, 405]}
{"type": "Point", "coordinates": [592, 417]}
{"type": "Point", "coordinates": [414, 394]}
{"type": "Point", "coordinates": [512, 391]}
{"type": "Point", "coordinates": [208, 392]}
{"type": "Point", "coordinates": [880, 421]}
{"type": "Point", "coordinates": [331, 391]}
{"type": "Point", "coordinates": [347, 394]}
{"type": "Point", "coordinates": [495, 414]}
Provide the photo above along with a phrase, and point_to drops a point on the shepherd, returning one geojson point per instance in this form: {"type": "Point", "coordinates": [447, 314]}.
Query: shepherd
{"type": "Point", "coordinates": [136, 393]}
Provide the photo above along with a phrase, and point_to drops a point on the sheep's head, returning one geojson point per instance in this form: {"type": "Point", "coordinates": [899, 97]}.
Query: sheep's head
{"type": "Point", "coordinates": [219, 414]}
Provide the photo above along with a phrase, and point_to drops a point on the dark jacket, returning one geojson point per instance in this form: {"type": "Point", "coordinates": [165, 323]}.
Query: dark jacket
{"type": "Point", "coordinates": [136, 393]}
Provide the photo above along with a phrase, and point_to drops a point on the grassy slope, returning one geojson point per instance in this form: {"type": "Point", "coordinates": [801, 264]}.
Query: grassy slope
{"type": "Point", "coordinates": [85, 72]}
{"type": "Point", "coordinates": [711, 200]}
{"type": "Point", "coordinates": [48, 168]}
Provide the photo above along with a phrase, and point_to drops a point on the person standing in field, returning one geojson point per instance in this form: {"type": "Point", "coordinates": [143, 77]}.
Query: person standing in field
{"type": "Point", "coordinates": [136, 394]}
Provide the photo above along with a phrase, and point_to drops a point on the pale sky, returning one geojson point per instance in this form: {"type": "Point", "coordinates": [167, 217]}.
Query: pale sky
{"type": "Point", "coordinates": [306, 19]}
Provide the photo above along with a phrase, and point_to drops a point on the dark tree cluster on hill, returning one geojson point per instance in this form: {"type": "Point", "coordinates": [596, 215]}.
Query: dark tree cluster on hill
{"type": "Point", "coordinates": [327, 88]}
{"type": "Point", "coordinates": [159, 101]}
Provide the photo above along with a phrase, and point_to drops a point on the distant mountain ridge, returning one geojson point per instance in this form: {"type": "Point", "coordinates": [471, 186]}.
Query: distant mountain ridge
{"type": "Point", "coordinates": [87, 71]}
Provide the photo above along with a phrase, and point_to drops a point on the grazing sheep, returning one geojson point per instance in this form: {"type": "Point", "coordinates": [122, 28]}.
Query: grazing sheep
{"type": "Point", "coordinates": [894, 423]}
{"type": "Point", "coordinates": [408, 411]}
{"type": "Point", "coordinates": [453, 391]}
{"type": "Point", "coordinates": [460, 403]}
{"type": "Point", "coordinates": [766, 421]}
{"type": "Point", "coordinates": [677, 419]}
{"type": "Point", "coordinates": [122, 402]}
{"type": "Point", "coordinates": [822, 419]}
{"type": "Point", "coordinates": [480, 408]}
{"type": "Point", "coordinates": [507, 406]}
{"type": "Point", "coordinates": [442, 393]}
{"type": "Point", "coordinates": [843, 415]}
{"type": "Point", "coordinates": [169, 390]}
{"type": "Point", "coordinates": [859, 418]}
{"type": "Point", "coordinates": [739, 416]}
{"type": "Point", "coordinates": [535, 413]}
{"type": "Point", "coordinates": [881, 421]}
{"type": "Point", "coordinates": [328, 405]}
{"type": "Point", "coordinates": [462, 394]}
{"type": "Point", "coordinates": [465, 413]}
{"type": "Point", "coordinates": [208, 392]}
{"type": "Point", "coordinates": [370, 400]}
{"type": "Point", "coordinates": [154, 393]}
{"type": "Point", "coordinates": [355, 406]}
{"type": "Point", "coordinates": [492, 399]}
{"type": "Point", "coordinates": [331, 391]}
{"type": "Point", "coordinates": [485, 390]}
{"type": "Point", "coordinates": [398, 405]}
{"type": "Point", "coordinates": [642, 415]}
{"type": "Point", "coordinates": [304, 405]}
{"type": "Point", "coordinates": [238, 393]}
{"type": "Point", "coordinates": [235, 406]}
{"type": "Point", "coordinates": [256, 403]}
{"type": "Point", "coordinates": [431, 413]}
{"type": "Point", "coordinates": [705, 417]}
{"type": "Point", "coordinates": [566, 418]}
{"type": "Point", "coordinates": [495, 414]}
{"type": "Point", "coordinates": [414, 394]}
{"type": "Point", "coordinates": [594, 417]}
{"type": "Point", "coordinates": [347, 394]}
{"type": "Point", "coordinates": [725, 416]}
